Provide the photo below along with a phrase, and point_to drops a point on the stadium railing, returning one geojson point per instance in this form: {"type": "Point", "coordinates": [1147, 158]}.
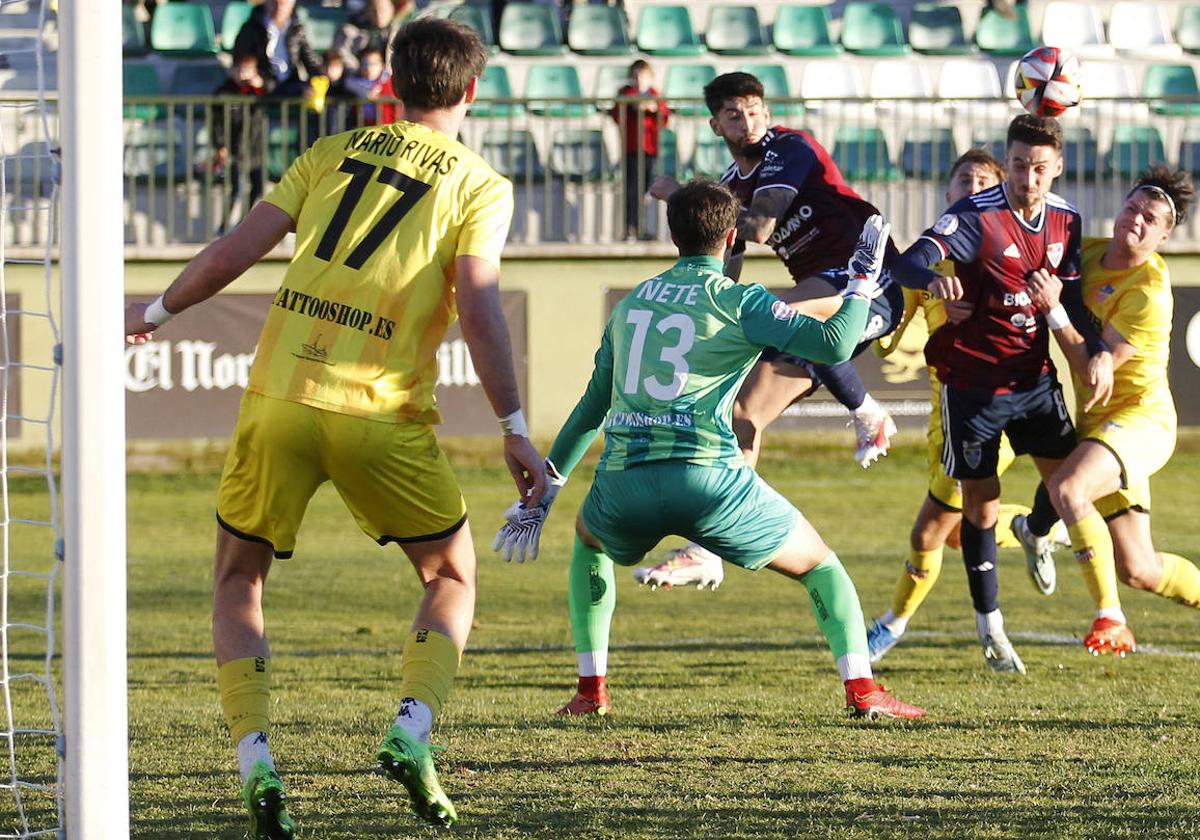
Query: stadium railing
{"type": "Point", "coordinates": [565, 160]}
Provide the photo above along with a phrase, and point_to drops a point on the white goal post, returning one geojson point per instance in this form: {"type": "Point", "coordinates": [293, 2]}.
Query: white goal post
{"type": "Point", "coordinates": [91, 261]}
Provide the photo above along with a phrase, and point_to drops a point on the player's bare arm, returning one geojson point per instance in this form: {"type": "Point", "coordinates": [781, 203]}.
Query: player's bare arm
{"type": "Point", "coordinates": [214, 268]}
{"type": "Point", "coordinates": [758, 221]}
{"type": "Point", "coordinates": [477, 284]}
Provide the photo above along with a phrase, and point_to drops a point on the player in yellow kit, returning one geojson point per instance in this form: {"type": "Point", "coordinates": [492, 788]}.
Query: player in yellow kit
{"type": "Point", "coordinates": [399, 228]}
{"type": "Point", "coordinates": [1106, 480]}
{"type": "Point", "coordinates": [938, 519]}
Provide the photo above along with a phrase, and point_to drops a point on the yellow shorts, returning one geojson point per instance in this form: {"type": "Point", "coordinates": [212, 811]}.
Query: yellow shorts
{"type": "Point", "coordinates": [1142, 442]}
{"type": "Point", "coordinates": [394, 478]}
{"type": "Point", "coordinates": [945, 490]}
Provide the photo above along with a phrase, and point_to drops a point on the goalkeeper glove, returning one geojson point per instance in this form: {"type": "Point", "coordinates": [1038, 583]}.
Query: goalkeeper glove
{"type": "Point", "coordinates": [522, 530]}
{"type": "Point", "coordinates": [866, 263]}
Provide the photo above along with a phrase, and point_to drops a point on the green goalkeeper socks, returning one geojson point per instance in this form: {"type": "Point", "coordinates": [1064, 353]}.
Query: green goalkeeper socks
{"type": "Point", "coordinates": [592, 596]}
{"type": "Point", "coordinates": [839, 614]}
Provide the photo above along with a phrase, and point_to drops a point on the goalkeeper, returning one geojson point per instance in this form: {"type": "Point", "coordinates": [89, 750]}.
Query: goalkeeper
{"type": "Point", "coordinates": [670, 363]}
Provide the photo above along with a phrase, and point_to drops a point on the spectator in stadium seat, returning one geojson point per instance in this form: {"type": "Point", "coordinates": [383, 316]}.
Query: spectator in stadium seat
{"type": "Point", "coordinates": [368, 84]}
{"type": "Point", "coordinates": [373, 27]}
{"type": "Point", "coordinates": [640, 124]}
{"type": "Point", "coordinates": [234, 123]}
{"type": "Point", "coordinates": [276, 37]}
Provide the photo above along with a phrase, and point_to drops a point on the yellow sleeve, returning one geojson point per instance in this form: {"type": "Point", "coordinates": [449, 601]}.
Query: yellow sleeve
{"type": "Point", "coordinates": [293, 188]}
{"type": "Point", "coordinates": [887, 345]}
{"type": "Point", "coordinates": [1141, 314]}
{"type": "Point", "coordinates": [485, 228]}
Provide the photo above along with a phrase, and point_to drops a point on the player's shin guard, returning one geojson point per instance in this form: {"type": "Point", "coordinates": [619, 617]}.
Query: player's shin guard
{"type": "Point", "coordinates": [427, 668]}
{"type": "Point", "coordinates": [979, 556]}
{"type": "Point", "coordinates": [1180, 580]}
{"type": "Point", "coordinates": [1004, 532]}
{"type": "Point", "coordinates": [592, 597]}
{"type": "Point", "coordinates": [916, 581]}
{"type": "Point", "coordinates": [839, 615]}
{"type": "Point", "coordinates": [245, 687]}
{"type": "Point", "coordinates": [1093, 549]}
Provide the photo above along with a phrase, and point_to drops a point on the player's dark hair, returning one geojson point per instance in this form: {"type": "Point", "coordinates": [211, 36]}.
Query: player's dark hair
{"type": "Point", "coordinates": [700, 214]}
{"type": "Point", "coordinates": [1174, 183]}
{"type": "Point", "coordinates": [434, 61]}
{"type": "Point", "coordinates": [1035, 131]}
{"type": "Point", "coordinates": [978, 157]}
{"type": "Point", "coordinates": [731, 86]}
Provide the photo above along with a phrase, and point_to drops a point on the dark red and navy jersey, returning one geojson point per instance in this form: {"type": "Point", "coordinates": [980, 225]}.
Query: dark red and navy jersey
{"type": "Point", "coordinates": [820, 228]}
{"type": "Point", "coordinates": [1004, 344]}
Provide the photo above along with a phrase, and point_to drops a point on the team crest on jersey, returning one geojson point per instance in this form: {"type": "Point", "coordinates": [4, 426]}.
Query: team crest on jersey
{"type": "Point", "coordinates": [1054, 253]}
{"type": "Point", "coordinates": [1103, 293]}
{"type": "Point", "coordinates": [946, 225]}
{"type": "Point", "coordinates": [781, 311]}
{"type": "Point", "coordinates": [972, 454]}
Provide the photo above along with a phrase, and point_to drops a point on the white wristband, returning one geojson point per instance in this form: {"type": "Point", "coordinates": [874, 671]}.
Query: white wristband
{"type": "Point", "coordinates": [1057, 318]}
{"type": "Point", "coordinates": [514, 424]}
{"type": "Point", "coordinates": [157, 314]}
{"type": "Point", "coordinates": [861, 286]}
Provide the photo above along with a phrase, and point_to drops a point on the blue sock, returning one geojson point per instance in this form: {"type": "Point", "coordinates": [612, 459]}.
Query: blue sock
{"type": "Point", "coordinates": [979, 555]}
{"type": "Point", "coordinates": [1043, 516]}
{"type": "Point", "coordinates": [843, 383]}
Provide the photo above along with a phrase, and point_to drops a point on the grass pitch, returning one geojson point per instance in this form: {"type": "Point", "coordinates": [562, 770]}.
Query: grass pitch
{"type": "Point", "coordinates": [727, 718]}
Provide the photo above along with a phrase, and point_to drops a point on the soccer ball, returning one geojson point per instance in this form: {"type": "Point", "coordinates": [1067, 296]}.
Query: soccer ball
{"type": "Point", "coordinates": [1047, 81]}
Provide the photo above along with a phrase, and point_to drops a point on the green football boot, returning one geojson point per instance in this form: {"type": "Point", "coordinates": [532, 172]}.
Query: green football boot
{"type": "Point", "coordinates": [263, 795]}
{"type": "Point", "coordinates": [410, 762]}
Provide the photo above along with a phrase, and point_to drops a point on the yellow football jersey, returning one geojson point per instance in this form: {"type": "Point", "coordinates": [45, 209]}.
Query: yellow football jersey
{"type": "Point", "coordinates": [1138, 304]}
{"type": "Point", "coordinates": [381, 213]}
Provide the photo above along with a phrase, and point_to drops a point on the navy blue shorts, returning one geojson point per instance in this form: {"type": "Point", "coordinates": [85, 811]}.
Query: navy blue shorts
{"type": "Point", "coordinates": [1036, 421]}
{"type": "Point", "coordinates": [883, 316]}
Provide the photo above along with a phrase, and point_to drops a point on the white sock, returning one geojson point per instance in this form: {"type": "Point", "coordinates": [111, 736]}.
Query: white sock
{"type": "Point", "coordinates": [1115, 613]}
{"type": "Point", "coordinates": [854, 666]}
{"type": "Point", "coordinates": [252, 748]}
{"type": "Point", "coordinates": [868, 405]}
{"type": "Point", "coordinates": [415, 718]}
{"type": "Point", "coordinates": [896, 624]}
{"type": "Point", "coordinates": [989, 624]}
{"type": "Point", "coordinates": [592, 663]}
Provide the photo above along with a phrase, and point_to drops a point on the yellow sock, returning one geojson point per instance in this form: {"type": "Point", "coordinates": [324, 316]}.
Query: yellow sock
{"type": "Point", "coordinates": [1094, 550]}
{"type": "Point", "coordinates": [1004, 535]}
{"type": "Point", "coordinates": [919, 575]}
{"type": "Point", "coordinates": [1180, 580]}
{"type": "Point", "coordinates": [245, 686]}
{"type": "Point", "coordinates": [428, 667]}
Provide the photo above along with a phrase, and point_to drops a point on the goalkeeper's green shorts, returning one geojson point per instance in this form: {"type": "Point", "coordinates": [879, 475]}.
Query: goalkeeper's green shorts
{"type": "Point", "coordinates": [731, 512]}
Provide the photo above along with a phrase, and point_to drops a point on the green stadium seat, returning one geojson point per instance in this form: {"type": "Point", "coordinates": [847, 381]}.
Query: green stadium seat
{"type": "Point", "coordinates": [494, 84]}
{"type": "Point", "coordinates": [479, 19]}
{"type": "Point", "coordinates": [183, 29]}
{"type": "Point", "coordinates": [928, 153]}
{"type": "Point", "coordinates": [872, 29]}
{"type": "Point", "coordinates": [1080, 153]}
{"type": "Point", "coordinates": [512, 153]}
{"type": "Point", "coordinates": [235, 16]}
{"type": "Point", "coordinates": [686, 82]}
{"type": "Point", "coordinates": [667, 162]}
{"type": "Point", "coordinates": [1189, 152]}
{"type": "Point", "coordinates": [283, 147]}
{"type": "Point", "coordinates": [156, 151]}
{"type": "Point", "coordinates": [133, 34]}
{"type": "Point", "coordinates": [531, 29]}
{"type": "Point", "coordinates": [736, 30]}
{"type": "Point", "coordinates": [1134, 148]}
{"type": "Point", "coordinates": [554, 82]}
{"type": "Point", "coordinates": [804, 30]}
{"type": "Point", "coordinates": [579, 154]}
{"type": "Point", "coordinates": [862, 155]}
{"type": "Point", "coordinates": [938, 30]}
{"type": "Point", "coordinates": [195, 79]}
{"type": "Point", "coordinates": [610, 78]}
{"type": "Point", "coordinates": [712, 157]}
{"type": "Point", "coordinates": [667, 30]}
{"type": "Point", "coordinates": [999, 35]}
{"type": "Point", "coordinates": [321, 25]}
{"type": "Point", "coordinates": [141, 79]}
{"type": "Point", "coordinates": [1172, 89]}
{"type": "Point", "coordinates": [596, 29]}
{"type": "Point", "coordinates": [1187, 31]}
{"type": "Point", "coordinates": [775, 88]}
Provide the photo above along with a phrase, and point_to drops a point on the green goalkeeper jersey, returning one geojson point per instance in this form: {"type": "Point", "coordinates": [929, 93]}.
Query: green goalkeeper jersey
{"type": "Point", "coordinates": [673, 356]}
